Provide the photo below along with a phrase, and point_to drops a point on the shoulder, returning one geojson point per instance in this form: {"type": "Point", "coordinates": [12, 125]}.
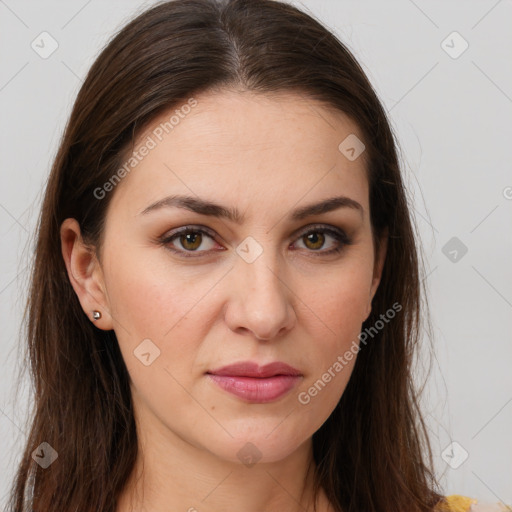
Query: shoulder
{"type": "Point", "coordinates": [458, 503]}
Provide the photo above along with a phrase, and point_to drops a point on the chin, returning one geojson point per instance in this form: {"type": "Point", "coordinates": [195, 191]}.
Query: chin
{"type": "Point", "coordinates": [267, 443]}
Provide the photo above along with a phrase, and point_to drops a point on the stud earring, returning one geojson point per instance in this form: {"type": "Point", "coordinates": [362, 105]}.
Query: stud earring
{"type": "Point", "coordinates": [96, 315]}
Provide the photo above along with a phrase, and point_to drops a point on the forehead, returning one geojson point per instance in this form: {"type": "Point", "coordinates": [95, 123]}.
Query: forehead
{"type": "Point", "coordinates": [238, 144]}
{"type": "Point", "coordinates": [229, 121]}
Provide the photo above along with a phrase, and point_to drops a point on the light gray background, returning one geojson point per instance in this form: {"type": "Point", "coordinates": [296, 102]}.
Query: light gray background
{"type": "Point", "coordinates": [453, 118]}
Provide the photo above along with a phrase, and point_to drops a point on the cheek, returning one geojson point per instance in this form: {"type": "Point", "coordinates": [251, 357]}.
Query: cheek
{"type": "Point", "coordinates": [336, 313]}
{"type": "Point", "coordinates": [150, 302]}
{"type": "Point", "coordinates": [340, 301]}
{"type": "Point", "coordinates": [149, 295]}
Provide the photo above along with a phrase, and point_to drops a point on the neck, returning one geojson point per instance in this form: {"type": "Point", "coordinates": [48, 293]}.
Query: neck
{"type": "Point", "coordinates": [171, 474]}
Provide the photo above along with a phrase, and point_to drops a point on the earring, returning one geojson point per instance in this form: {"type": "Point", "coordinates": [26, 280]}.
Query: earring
{"type": "Point", "coordinates": [96, 315]}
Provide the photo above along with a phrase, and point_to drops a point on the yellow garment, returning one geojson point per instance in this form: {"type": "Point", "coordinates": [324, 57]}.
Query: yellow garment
{"type": "Point", "coordinates": [458, 503]}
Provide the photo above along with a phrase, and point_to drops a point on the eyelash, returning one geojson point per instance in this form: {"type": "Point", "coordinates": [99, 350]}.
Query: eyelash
{"type": "Point", "coordinates": [339, 235]}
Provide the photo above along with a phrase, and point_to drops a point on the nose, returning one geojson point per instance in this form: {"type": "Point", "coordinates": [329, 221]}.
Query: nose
{"type": "Point", "coordinates": [261, 299]}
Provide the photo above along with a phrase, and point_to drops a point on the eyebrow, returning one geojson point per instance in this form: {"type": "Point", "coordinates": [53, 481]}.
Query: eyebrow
{"type": "Point", "coordinates": [204, 207]}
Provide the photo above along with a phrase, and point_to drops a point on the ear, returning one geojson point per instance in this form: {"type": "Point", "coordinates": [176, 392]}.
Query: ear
{"type": "Point", "coordinates": [377, 268]}
{"type": "Point", "coordinates": [85, 274]}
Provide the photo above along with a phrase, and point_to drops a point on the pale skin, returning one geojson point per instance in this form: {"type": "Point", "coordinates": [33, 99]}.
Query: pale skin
{"type": "Point", "coordinates": [266, 156]}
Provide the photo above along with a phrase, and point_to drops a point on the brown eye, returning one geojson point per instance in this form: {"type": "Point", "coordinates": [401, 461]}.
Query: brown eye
{"type": "Point", "coordinates": [188, 240]}
{"type": "Point", "coordinates": [315, 239]}
{"type": "Point", "coordinates": [191, 241]}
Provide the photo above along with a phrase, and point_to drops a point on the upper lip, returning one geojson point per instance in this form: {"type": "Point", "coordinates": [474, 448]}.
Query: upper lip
{"type": "Point", "coordinates": [252, 369]}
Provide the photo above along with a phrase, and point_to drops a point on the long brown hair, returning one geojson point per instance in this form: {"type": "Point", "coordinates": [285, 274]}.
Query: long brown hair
{"type": "Point", "coordinates": [373, 453]}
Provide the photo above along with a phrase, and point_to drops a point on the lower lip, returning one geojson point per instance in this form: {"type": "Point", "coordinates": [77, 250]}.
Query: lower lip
{"type": "Point", "coordinates": [256, 390]}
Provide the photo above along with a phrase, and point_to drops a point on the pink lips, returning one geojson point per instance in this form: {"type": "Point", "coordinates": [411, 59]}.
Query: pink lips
{"type": "Point", "coordinates": [254, 383]}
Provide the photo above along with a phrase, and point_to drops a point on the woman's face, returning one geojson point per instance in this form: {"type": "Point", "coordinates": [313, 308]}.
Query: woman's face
{"type": "Point", "coordinates": [262, 285]}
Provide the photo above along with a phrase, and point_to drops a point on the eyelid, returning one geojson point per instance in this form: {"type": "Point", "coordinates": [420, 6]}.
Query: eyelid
{"type": "Point", "coordinates": [193, 228]}
{"type": "Point", "coordinates": [333, 231]}
{"type": "Point", "coordinates": [317, 227]}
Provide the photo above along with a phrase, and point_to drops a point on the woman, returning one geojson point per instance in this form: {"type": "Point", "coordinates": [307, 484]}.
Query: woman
{"type": "Point", "coordinates": [225, 295]}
